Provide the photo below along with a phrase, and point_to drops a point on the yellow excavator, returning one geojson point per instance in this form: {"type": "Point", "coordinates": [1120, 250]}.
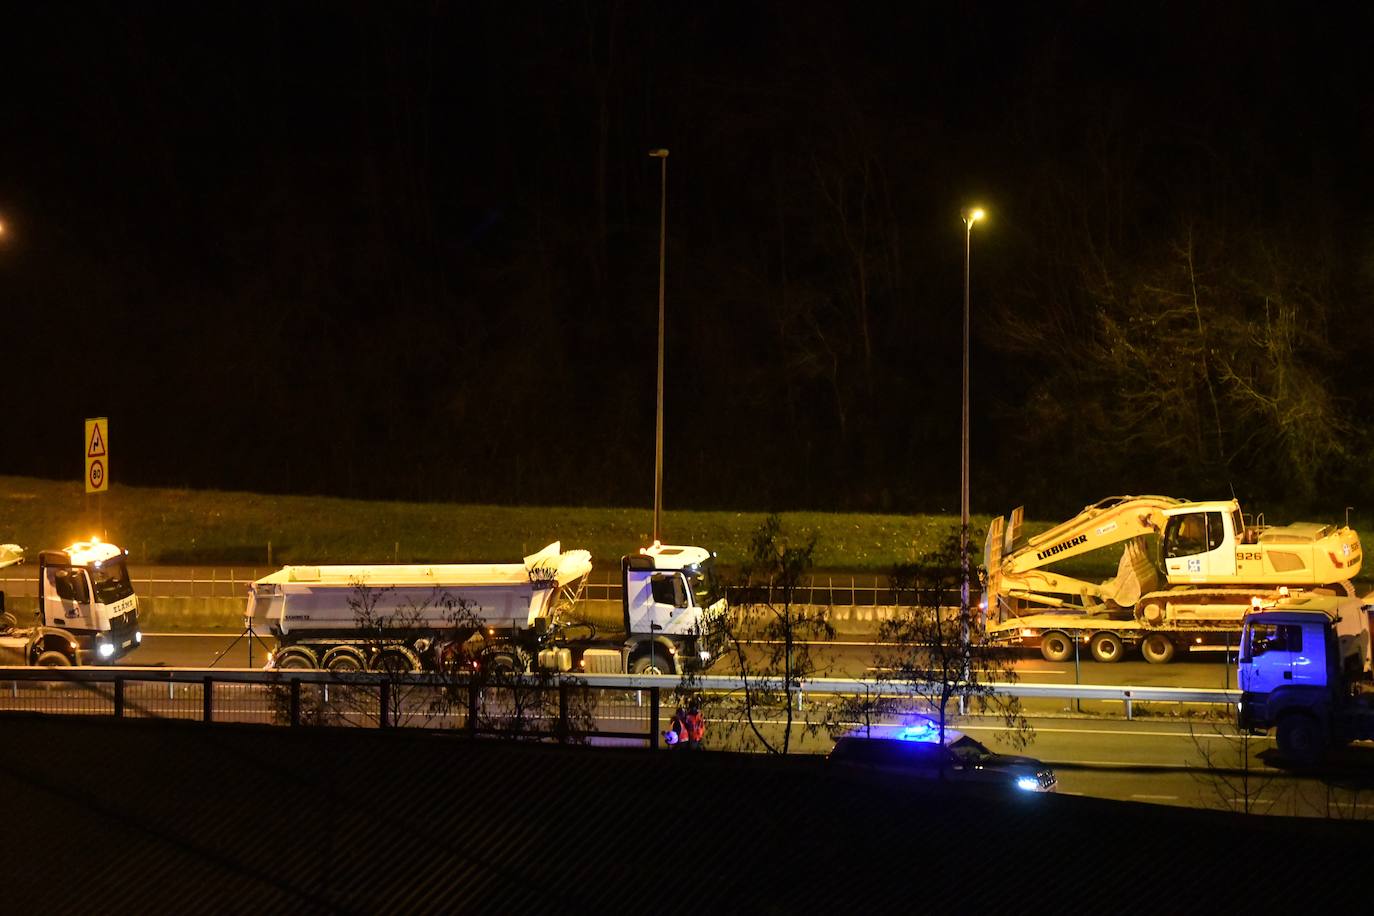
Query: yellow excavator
{"type": "Point", "coordinates": [1210, 566]}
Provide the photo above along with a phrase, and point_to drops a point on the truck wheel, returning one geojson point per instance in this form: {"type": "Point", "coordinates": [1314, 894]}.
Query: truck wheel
{"type": "Point", "coordinates": [1105, 647]}
{"type": "Point", "coordinates": [1157, 650]}
{"type": "Point", "coordinates": [342, 660]}
{"type": "Point", "coordinates": [53, 659]}
{"type": "Point", "coordinates": [7, 621]}
{"type": "Point", "coordinates": [295, 658]}
{"type": "Point", "coordinates": [1056, 647]}
{"type": "Point", "coordinates": [659, 663]}
{"type": "Point", "coordinates": [506, 660]}
{"type": "Point", "coordinates": [1301, 738]}
{"type": "Point", "coordinates": [395, 661]}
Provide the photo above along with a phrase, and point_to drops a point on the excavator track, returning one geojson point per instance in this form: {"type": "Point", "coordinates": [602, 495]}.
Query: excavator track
{"type": "Point", "coordinates": [1229, 595]}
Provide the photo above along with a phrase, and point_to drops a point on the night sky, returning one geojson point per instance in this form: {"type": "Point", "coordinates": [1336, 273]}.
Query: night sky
{"type": "Point", "coordinates": [411, 250]}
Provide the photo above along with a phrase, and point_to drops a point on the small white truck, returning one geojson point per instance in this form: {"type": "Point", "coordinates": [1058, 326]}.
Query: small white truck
{"type": "Point", "coordinates": [87, 610]}
{"type": "Point", "coordinates": [1304, 671]}
{"type": "Point", "coordinates": [512, 616]}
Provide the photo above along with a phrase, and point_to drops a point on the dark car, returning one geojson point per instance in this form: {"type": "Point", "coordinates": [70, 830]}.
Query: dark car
{"type": "Point", "coordinates": [963, 760]}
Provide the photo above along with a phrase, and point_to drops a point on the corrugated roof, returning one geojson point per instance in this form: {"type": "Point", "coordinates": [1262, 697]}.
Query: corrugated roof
{"type": "Point", "coordinates": [165, 817]}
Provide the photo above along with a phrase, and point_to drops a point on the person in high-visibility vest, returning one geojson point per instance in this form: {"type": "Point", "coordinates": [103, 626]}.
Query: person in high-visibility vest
{"type": "Point", "coordinates": [678, 732]}
{"type": "Point", "coordinates": [696, 726]}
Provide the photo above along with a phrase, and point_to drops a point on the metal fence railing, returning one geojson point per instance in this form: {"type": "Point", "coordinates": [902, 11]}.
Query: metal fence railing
{"type": "Point", "coordinates": [609, 708]}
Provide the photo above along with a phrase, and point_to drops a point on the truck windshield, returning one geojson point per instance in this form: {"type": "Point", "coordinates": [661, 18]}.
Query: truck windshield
{"type": "Point", "coordinates": [111, 581]}
{"type": "Point", "coordinates": [706, 589]}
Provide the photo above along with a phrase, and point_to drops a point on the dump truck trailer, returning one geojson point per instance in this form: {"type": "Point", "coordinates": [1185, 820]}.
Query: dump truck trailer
{"type": "Point", "coordinates": [515, 616]}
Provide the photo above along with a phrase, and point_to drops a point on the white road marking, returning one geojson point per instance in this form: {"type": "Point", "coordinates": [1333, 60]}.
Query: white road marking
{"type": "Point", "coordinates": [1157, 797]}
{"type": "Point", "coordinates": [1109, 731]}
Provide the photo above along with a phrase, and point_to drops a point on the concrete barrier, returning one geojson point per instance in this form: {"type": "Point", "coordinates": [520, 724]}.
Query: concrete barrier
{"type": "Point", "coordinates": [163, 615]}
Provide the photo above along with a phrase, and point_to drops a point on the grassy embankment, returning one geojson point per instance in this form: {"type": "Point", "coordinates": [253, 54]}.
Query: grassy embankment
{"type": "Point", "coordinates": [211, 528]}
{"type": "Point", "coordinates": [204, 527]}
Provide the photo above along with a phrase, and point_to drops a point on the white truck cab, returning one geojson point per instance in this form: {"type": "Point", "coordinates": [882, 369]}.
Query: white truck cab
{"type": "Point", "coordinates": [1304, 671]}
{"type": "Point", "coordinates": [85, 591]}
{"type": "Point", "coordinates": [671, 597]}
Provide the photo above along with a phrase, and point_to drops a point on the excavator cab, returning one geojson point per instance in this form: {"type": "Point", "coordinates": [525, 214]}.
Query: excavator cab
{"type": "Point", "coordinates": [1199, 545]}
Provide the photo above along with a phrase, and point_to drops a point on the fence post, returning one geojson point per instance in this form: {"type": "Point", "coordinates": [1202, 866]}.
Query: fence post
{"type": "Point", "coordinates": [295, 701]}
{"type": "Point", "coordinates": [207, 695]}
{"type": "Point", "coordinates": [384, 712]}
{"type": "Point", "coordinates": [1126, 695]}
{"type": "Point", "coordinates": [563, 727]}
{"type": "Point", "coordinates": [119, 697]}
{"type": "Point", "coordinates": [653, 718]}
{"type": "Point", "coordinates": [472, 708]}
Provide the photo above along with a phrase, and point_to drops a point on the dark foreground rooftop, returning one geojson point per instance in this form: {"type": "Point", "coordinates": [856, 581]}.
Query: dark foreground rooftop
{"type": "Point", "coordinates": [163, 817]}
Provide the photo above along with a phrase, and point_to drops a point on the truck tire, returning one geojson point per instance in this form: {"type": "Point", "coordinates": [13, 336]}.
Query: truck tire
{"type": "Point", "coordinates": [295, 658]}
{"type": "Point", "coordinates": [1157, 649]}
{"type": "Point", "coordinates": [660, 662]}
{"type": "Point", "coordinates": [506, 660]}
{"type": "Point", "coordinates": [1301, 738]}
{"type": "Point", "coordinates": [396, 660]}
{"type": "Point", "coordinates": [1105, 647]}
{"type": "Point", "coordinates": [53, 659]}
{"type": "Point", "coordinates": [7, 621]}
{"type": "Point", "coordinates": [342, 660]}
{"type": "Point", "coordinates": [1056, 646]}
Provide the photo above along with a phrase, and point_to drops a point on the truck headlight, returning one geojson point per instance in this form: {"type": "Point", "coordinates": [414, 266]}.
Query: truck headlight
{"type": "Point", "coordinates": [1027, 783]}
{"type": "Point", "coordinates": [106, 650]}
{"type": "Point", "coordinates": [138, 636]}
{"type": "Point", "coordinates": [705, 655]}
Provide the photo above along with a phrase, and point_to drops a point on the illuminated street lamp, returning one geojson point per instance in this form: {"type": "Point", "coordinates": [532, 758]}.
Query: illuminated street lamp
{"type": "Point", "coordinates": [970, 217]}
{"type": "Point", "coordinates": [662, 156]}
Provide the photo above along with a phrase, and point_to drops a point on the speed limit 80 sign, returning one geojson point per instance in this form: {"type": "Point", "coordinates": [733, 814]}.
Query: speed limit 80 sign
{"type": "Point", "coordinates": [97, 447]}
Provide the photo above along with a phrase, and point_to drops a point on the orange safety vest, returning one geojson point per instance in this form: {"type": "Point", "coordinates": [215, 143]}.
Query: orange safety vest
{"type": "Point", "coordinates": [680, 726]}
{"type": "Point", "coordinates": [696, 726]}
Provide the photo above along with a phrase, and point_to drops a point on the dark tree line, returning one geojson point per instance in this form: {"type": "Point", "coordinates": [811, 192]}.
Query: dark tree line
{"type": "Point", "coordinates": [411, 251]}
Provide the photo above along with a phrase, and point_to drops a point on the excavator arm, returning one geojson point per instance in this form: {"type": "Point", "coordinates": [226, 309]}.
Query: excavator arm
{"type": "Point", "coordinates": [1017, 566]}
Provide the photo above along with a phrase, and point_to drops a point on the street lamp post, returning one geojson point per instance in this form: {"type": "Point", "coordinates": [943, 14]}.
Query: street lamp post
{"type": "Point", "coordinates": [970, 217]}
{"type": "Point", "coordinates": [662, 156]}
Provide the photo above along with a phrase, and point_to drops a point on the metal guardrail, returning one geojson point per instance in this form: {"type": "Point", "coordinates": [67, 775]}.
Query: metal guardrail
{"type": "Point", "coordinates": [114, 687]}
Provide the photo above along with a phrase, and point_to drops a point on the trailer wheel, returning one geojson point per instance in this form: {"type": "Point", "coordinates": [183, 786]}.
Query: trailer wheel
{"type": "Point", "coordinates": [1056, 646]}
{"type": "Point", "coordinates": [1301, 738]}
{"type": "Point", "coordinates": [7, 621]}
{"type": "Point", "coordinates": [396, 660]}
{"type": "Point", "coordinates": [295, 658]}
{"type": "Point", "coordinates": [342, 660]}
{"type": "Point", "coordinates": [1105, 647]}
{"type": "Point", "coordinates": [53, 659]}
{"type": "Point", "coordinates": [506, 660]}
{"type": "Point", "coordinates": [1157, 649]}
{"type": "Point", "coordinates": [658, 663]}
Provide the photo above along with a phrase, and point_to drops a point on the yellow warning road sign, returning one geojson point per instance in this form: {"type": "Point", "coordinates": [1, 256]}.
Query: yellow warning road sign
{"type": "Point", "coordinates": [97, 447]}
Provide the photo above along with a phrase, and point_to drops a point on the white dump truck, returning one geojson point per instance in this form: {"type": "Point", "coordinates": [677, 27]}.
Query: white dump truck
{"type": "Point", "coordinates": [513, 616]}
{"type": "Point", "coordinates": [87, 610]}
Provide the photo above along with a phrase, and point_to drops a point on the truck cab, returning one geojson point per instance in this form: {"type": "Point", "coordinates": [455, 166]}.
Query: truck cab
{"type": "Point", "coordinates": [671, 597]}
{"type": "Point", "coordinates": [1302, 669]}
{"type": "Point", "coordinates": [84, 590]}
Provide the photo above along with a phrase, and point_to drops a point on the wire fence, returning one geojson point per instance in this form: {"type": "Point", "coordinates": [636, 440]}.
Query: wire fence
{"type": "Point", "coordinates": [232, 583]}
